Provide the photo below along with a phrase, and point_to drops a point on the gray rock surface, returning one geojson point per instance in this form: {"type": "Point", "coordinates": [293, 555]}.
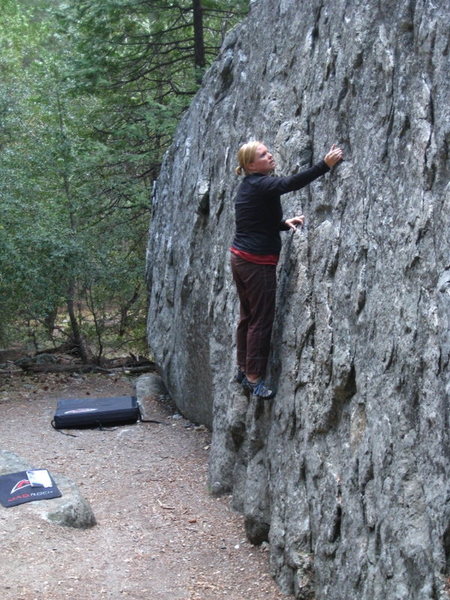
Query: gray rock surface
{"type": "Point", "coordinates": [70, 510]}
{"type": "Point", "coordinates": [148, 389]}
{"type": "Point", "coordinates": [346, 472]}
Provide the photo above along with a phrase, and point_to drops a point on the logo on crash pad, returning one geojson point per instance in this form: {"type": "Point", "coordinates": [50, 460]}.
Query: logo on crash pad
{"type": "Point", "coordinates": [75, 411]}
{"type": "Point", "coordinates": [23, 483]}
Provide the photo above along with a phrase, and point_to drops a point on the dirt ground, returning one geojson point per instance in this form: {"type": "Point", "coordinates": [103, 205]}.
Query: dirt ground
{"type": "Point", "coordinates": [159, 533]}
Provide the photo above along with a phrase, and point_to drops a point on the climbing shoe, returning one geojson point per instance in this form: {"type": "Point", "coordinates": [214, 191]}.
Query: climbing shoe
{"type": "Point", "coordinates": [240, 376]}
{"type": "Point", "coordinates": [258, 389]}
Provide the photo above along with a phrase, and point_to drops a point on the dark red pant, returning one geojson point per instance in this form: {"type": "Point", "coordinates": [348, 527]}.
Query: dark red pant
{"type": "Point", "coordinates": [256, 286]}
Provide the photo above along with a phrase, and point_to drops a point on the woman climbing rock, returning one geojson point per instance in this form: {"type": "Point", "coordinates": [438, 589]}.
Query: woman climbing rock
{"type": "Point", "coordinates": [255, 251]}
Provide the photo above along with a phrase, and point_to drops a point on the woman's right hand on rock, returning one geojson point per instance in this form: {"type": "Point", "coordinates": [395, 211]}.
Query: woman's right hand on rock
{"type": "Point", "coordinates": [334, 156]}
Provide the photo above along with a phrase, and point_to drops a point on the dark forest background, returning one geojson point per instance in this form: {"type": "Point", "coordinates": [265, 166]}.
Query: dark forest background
{"type": "Point", "coordinates": [91, 92]}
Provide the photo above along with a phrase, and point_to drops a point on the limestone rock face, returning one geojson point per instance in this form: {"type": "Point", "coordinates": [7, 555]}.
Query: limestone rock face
{"type": "Point", "coordinates": [346, 472]}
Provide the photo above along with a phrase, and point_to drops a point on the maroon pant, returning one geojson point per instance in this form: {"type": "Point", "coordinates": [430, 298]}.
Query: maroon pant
{"type": "Point", "coordinates": [256, 286]}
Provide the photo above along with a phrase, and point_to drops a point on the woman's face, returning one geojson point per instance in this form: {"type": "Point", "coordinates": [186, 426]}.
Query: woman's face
{"type": "Point", "coordinates": [263, 162]}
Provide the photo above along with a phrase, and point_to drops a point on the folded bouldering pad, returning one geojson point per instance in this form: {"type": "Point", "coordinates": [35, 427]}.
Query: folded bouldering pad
{"type": "Point", "coordinates": [95, 412]}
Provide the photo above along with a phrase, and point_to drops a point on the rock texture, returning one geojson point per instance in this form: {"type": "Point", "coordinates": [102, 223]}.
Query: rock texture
{"type": "Point", "coordinates": [346, 472]}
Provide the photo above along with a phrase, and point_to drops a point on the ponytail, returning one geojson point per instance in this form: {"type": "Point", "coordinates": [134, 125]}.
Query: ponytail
{"type": "Point", "coordinates": [246, 155]}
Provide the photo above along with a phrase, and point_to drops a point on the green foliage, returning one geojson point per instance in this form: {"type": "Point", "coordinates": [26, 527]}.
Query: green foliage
{"type": "Point", "coordinates": [139, 56]}
{"type": "Point", "coordinates": [92, 91]}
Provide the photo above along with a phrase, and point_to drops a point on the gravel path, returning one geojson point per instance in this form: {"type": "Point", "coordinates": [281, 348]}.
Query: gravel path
{"type": "Point", "coordinates": [160, 535]}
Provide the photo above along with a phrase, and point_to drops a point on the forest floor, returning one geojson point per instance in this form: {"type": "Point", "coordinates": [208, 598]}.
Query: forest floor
{"type": "Point", "coordinates": [160, 535]}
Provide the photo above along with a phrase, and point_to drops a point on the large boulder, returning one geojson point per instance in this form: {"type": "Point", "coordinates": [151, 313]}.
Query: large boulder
{"type": "Point", "coordinates": [346, 472]}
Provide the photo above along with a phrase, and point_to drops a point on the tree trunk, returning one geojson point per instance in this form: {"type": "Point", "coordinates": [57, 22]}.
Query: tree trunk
{"type": "Point", "coordinates": [199, 42]}
{"type": "Point", "coordinates": [50, 320]}
{"type": "Point", "coordinates": [76, 333]}
{"type": "Point", "coordinates": [124, 313]}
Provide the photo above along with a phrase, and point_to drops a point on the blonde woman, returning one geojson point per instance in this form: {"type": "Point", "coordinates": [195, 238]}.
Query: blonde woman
{"type": "Point", "coordinates": [255, 251]}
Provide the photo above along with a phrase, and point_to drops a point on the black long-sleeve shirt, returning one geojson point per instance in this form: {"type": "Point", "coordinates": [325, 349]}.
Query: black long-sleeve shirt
{"type": "Point", "coordinates": [259, 216]}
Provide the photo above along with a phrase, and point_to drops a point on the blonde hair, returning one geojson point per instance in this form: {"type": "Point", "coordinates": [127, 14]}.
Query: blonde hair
{"type": "Point", "coordinates": [246, 155]}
